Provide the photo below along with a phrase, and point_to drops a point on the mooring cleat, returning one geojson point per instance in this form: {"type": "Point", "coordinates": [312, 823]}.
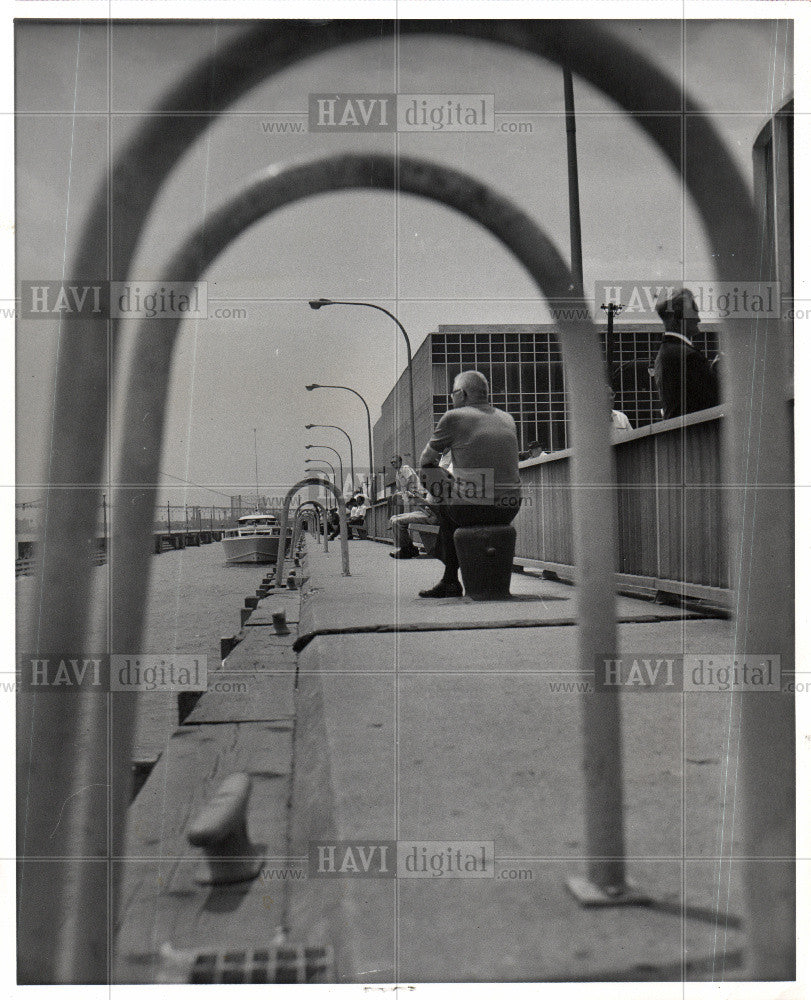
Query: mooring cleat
{"type": "Point", "coordinates": [228, 644]}
{"type": "Point", "coordinates": [221, 830]}
{"type": "Point", "coordinates": [280, 623]}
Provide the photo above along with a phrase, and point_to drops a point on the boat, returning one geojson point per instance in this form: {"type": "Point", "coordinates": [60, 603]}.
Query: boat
{"type": "Point", "coordinates": [255, 539]}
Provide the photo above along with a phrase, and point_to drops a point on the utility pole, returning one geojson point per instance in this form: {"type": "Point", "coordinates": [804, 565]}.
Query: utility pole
{"type": "Point", "coordinates": [575, 239]}
{"type": "Point", "coordinates": [611, 310]}
{"type": "Point", "coordinates": [256, 461]}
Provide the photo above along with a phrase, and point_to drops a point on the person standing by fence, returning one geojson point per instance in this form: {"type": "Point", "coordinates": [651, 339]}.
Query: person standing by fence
{"type": "Point", "coordinates": [685, 380]}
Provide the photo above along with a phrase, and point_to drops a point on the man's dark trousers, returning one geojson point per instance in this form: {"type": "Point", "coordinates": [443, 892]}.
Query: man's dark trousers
{"type": "Point", "coordinates": [456, 515]}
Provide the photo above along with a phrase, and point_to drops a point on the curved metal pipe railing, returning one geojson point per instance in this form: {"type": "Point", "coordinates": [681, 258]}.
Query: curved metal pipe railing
{"type": "Point", "coordinates": [757, 454]}
{"type": "Point", "coordinates": [321, 518]}
{"type": "Point", "coordinates": [310, 481]}
{"type": "Point", "coordinates": [298, 519]}
{"type": "Point", "coordinates": [303, 511]}
{"type": "Point", "coordinates": [592, 466]}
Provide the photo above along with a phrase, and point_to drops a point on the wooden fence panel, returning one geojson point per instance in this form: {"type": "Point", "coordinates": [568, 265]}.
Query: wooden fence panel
{"type": "Point", "coordinates": [670, 505]}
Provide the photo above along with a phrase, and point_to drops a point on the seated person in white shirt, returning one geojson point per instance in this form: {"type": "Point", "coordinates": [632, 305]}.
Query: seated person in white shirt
{"type": "Point", "coordinates": [356, 511]}
{"type": "Point", "coordinates": [418, 506]}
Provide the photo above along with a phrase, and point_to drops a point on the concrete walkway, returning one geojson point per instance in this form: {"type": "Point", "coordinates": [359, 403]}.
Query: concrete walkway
{"type": "Point", "coordinates": [453, 720]}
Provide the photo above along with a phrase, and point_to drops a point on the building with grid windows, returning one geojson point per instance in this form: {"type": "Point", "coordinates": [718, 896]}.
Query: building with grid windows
{"type": "Point", "coordinates": [522, 363]}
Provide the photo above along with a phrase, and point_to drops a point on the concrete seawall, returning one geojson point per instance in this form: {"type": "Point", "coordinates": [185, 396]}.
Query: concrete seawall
{"type": "Point", "coordinates": [384, 720]}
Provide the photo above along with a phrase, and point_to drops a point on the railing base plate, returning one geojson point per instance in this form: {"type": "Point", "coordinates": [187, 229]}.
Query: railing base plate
{"type": "Point", "coordinates": [588, 893]}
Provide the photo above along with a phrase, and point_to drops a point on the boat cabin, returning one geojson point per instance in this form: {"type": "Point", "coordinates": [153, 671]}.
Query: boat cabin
{"type": "Point", "coordinates": [255, 524]}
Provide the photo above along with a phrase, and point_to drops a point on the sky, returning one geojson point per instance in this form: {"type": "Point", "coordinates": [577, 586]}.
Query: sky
{"type": "Point", "coordinates": [418, 259]}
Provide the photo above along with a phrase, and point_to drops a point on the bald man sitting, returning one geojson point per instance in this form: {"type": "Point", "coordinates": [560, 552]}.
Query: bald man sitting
{"type": "Point", "coordinates": [485, 488]}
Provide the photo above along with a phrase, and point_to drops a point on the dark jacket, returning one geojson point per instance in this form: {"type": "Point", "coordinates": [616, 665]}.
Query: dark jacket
{"type": "Point", "coordinates": [684, 378]}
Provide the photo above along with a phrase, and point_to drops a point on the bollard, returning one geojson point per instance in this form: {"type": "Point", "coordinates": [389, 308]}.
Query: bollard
{"type": "Point", "coordinates": [486, 560]}
{"type": "Point", "coordinates": [141, 770]}
{"type": "Point", "coordinates": [186, 700]}
{"type": "Point", "coordinates": [221, 829]}
{"type": "Point", "coordinates": [291, 582]}
{"type": "Point", "coordinates": [280, 623]}
{"type": "Point", "coordinates": [227, 645]}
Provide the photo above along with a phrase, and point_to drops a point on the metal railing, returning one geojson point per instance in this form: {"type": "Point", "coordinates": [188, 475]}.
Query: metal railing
{"type": "Point", "coordinates": [344, 533]}
{"type": "Point", "coordinates": [180, 517]}
{"type": "Point", "coordinates": [377, 517]}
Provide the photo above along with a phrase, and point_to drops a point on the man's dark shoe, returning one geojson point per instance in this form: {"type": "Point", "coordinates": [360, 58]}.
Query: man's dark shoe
{"type": "Point", "coordinates": [404, 554]}
{"type": "Point", "coordinates": [443, 589]}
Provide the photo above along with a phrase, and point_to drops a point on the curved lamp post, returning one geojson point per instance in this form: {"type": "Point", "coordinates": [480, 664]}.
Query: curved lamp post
{"type": "Point", "coordinates": [319, 303]}
{"type": "Point", "coordinates": [340, 460]}
{"type": "Point", "coordinates": [310, 461]}
{"type": "Point", "coordinates": [335, 427]}
{"type": "Point", "coordinates": [372, 481]}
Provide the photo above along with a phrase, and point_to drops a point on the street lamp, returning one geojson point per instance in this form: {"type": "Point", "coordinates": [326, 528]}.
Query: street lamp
{"type": "Point", "coordinates": [335, 427]}
{"type": "Point", "coordinates": [318, 303]}
{"type": "Point", "coordinates": [324, 473]}
{"type": "Point", "coordinates": [340, 460]}
{"type": "Point", "coordinates": [372, 478]}
{"type": "Point", "coordinates": [310, 461]}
